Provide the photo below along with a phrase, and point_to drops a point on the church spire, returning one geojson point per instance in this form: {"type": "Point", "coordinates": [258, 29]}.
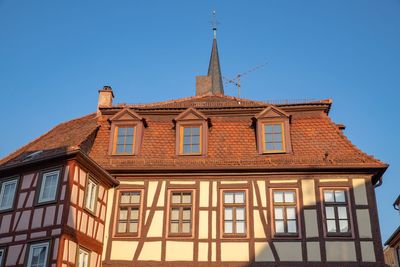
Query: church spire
{"type": "Point", "coordinates": [212, 83]}
{"type": "Point", "coordinates": [214, 68]}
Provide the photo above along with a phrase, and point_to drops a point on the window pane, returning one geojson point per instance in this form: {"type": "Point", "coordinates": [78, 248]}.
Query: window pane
{"type": "Point", "coordinates": [133, 227]}
{"type": "Point", "coordinates": [195, 149]}
{"type": "Point", "coordinates": [128, 148]}
{"type": "Point", "coordinates": [291, 226]}
{"type": "Point", "coordinates": [339, 196]}
{"type": "Point", "coordinates": [120, 140]}
{"type": "Point", "coordinates": [277, 128]}
{"type": "Point", "coordinates": [129, 140]}
{"type": "Point", "coordinates": [278, 197]}
{"type": "Point", "coordinates": [186, 131]}
{"type": "Point", "coordinates": [228, 197]}
{"type": "Point", "coordinates": [228, 214]}
{"type": "Point", "coordinates": [125, 197]}
{"type": "Point", "coordinates": [290, 213]}
{"type": "Point", "coordinates": [344, 226]}
{"type": "Point", "coordinates": [123, 214]}
{"type": "Point", "coordinates": [278, 146]}
{"type": "Point", "coordinates": [187, 214]}
{"type": "Point", "coordinates": [279, 213]}
{"type": "Point", "coordinates": [186, 149]}
{"type": "Point", "coordinates": [174, 227]}
{"type": "Point", "coordinates": [120, 148]}
{"type": "Point", "coordinates": [330, 212]}
{"type": "Point", "coordinates": [187, 198]}
{"type": "Point", "coordinates": [195, 130]}
{"type": "Point", "coordinates": [176, 198]}
{"type": "Point", "coordinates": [270, 146]}
{"type": "Point", "coordinates": [186, 227]}
{"type": "Point", "coordinates": [175, 214]}
{"type": "Point", "coordinates": [328, 196]}
{"type": "Point", "coordinates": [134, 214]}
{"type": "Point", "coordinates": [277, 138]}
{"type": "Point", "coordinates": [268, 128]}
{"type": "Point", "coordinates": [186, 140]}
{"type": "Point", "coordinates": [289, 197]}
{"type": "Point", "coordinates": [7, 194]}
{"type": "Point", "coordinates": [38, 256]}
{"type": "Point", "coordinates": [228, 227]}
{"type": "Point", "coordinates": [331, 226]}
{"type": "Point", "coordinates": [240, 214]}
{"type": "Point", "coordinates": [239, 197]}
{"type": "Point", "coordinates": [121, 227]}
{"type": "Point", "coordinates": [342, 212]}
{"type": "Point", "coordinates": [196, 140]}
{"type": "Point", "coordinates": [121, 131]}
{"type": "Point", "coordinates": [135, 198]}
{"type": "Point", "coordinates": [129, 131]}
{"type": "Point", "coordinates": [279, 227]}
{"type": "Point", "coordinates": [240, 227]}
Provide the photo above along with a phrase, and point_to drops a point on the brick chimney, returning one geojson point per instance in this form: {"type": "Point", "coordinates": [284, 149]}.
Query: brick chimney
{"type": "Point", "coordinates": [106, 96]}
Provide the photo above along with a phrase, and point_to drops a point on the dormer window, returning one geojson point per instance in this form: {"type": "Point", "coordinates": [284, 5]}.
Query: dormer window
{"type": "Point", "coordinates": [273, 138]}
{"type": "Point", "coordinates": [191, 133]}
{"type": "Point", "coordinates": [190, 143]}
{"type": "Point", "coordinates": [126, 132]}
{"type": "Point", "coordinates": [124, 141]}
{"type": "Point", "coordinates": [273, 131]}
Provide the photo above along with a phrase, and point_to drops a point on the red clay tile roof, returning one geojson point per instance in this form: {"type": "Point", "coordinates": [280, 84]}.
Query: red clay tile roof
{"type": "Point", "coordinates": [316, 140]}
{"type": "Point", "coordinates": [67, 136]}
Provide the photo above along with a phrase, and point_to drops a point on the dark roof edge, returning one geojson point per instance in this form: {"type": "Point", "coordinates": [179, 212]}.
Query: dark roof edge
{"type": "Point", "coordinates": [64, 155]}
{"type": "Point", "coordinates": [393, 237]}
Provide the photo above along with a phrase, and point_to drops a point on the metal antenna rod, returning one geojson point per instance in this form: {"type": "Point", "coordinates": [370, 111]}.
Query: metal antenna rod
{"type": "Point", "coordinates": [236, 80]}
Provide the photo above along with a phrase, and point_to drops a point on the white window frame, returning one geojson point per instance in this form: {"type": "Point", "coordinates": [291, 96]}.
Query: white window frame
{"type": "Point", "coordinates": [2, 254]}
{"type": "Point", "coordinates": [2, 186]}
{"type": "Point", "coordinates": [45, 175]}
{"type": "Point", "coordinates": [46, 245]}
{"type": "Point", "coordinates": [86, 253]}
{"type": "Point", "coordinates": [91, 195]}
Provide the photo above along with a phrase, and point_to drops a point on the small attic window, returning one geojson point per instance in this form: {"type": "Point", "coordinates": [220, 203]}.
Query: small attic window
{"type": "Point", "coordinates": [126, 133]}
{"type": "Point", "coordinates": [273, 138]}
{"type": "Point", "coordinates": [191, 133]}
{"type": "Point", "coordinates": [273, 131]}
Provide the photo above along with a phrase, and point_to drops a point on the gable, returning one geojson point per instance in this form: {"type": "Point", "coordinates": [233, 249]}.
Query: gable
{"type": "Point", "coordinates": [272, 112]}
{"type": "Point", "coordinates": [190, 114]}
{"type": "Point", "coordinates": [126, 115]}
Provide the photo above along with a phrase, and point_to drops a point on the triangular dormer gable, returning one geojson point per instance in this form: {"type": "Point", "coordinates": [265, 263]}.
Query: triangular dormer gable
{"type": "Point", "coordinates": [272, 112]}
{"type": "Point", "coordinates": [191, 114]}
{"type": "Point", "coordinates": [126, 115]}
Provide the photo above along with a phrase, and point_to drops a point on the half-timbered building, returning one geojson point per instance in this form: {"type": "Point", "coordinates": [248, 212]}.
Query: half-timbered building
{"type": "Point", "coordinates": [206, 180]}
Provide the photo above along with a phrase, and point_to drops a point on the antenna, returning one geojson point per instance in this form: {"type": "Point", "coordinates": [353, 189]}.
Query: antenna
{"type": "Point", "coordinates": [236, 81]}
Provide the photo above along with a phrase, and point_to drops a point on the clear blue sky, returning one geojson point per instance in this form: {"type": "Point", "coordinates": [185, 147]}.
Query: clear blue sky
{"type": "Point", "coordinates": [55, 55]}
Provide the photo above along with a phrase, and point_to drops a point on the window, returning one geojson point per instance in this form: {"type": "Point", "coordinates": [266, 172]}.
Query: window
{"type": "Point", "coordinates": [48, 188]}
{"type": "Point", "coordinates": [2, 256]}
{"type": "Point", "coordinates": [7, 193]}
{"type": "Point", "coordinates": [285, 212]}
{"type": "Point", "coordinates": [91, 195]}
{"type": "Point", "coordinates": [38, 254]}
{"type": "Point", "coordinates": [273, 131]}
{"type": "Point", "coordinates": [336, 212]}
{"type": "Point", "coordinates": [234, 212]}
{"type": "Point", "coordinates": [180, 216]}
{"type": "Point", "coordinates": [273, 138]}
{"type": "Point", "coordinates": [83, 259]}
{"type": "Point", "coordinates": [124, 140]}
{"type": "Point", "coordinates": [190, 140]}
{"type": "Point", "coordinates": [129, 213]}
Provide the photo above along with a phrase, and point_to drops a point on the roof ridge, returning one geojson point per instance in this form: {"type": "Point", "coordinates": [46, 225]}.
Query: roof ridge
{"type": "Point", "coordinates": [32, 142]}
{"type": "Point", "coordinates": [347, 140]}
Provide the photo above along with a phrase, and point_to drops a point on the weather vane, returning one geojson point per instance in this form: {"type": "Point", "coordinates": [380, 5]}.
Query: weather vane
{"type": "Point", "coordinates": [214, 23]}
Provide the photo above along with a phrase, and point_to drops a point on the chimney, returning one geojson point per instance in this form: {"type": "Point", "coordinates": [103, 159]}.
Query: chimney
{"type": "Point", "coordinates": [106, 96]}
{"type": "Point", "coordinates": [203, 85]}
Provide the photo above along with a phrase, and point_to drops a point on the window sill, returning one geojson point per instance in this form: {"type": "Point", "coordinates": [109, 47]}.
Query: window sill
{"type": "Point", "coordinates": [228, 236]}
{"type": "Point", "coordinates": [188, 236]}
{"type": "Point", "coordinates": [286, 236]}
